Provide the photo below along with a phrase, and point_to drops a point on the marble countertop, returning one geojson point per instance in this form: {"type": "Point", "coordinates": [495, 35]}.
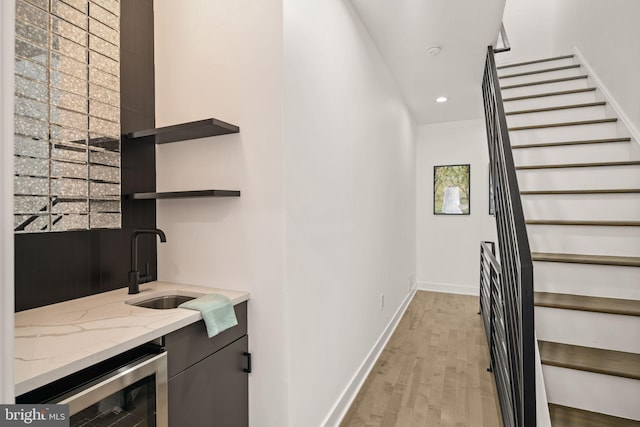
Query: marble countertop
{"type": "Point", "coordinates": [54, 341]}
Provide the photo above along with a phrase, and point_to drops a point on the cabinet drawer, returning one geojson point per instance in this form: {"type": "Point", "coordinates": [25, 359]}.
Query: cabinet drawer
{"type": "Point", "coordinates": [189, 345]}
{"type": "Point", "coordinates": [213, 392]}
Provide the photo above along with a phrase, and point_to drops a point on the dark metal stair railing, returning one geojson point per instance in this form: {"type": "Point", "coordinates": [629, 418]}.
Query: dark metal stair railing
{"type": "Point", "coordinates": [506, 290]}
{"type": "Point", "coordinates": [489, 278]}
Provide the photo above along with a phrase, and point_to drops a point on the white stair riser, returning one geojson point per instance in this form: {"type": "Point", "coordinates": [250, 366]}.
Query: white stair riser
{"type": "Point", "coordinates": [564, 133]}
{"type": "Point", "coordinates": [587, 279]}
{"type": "Point", "coordinates": [590, 391]}
{"type": "Point", "coordinates": [609, 152]}
{"type": "Point", "coordinates": [582, 206]}
{"type": "Point", "coordinates": [594, 392]}
{"type": "Point", "coordinates": [549, 101]}
{"type": "Point", "coordinates": [556, 116]}
{"type": "Point", "coordinates": [571, 72]}
{"type": "Point", "coordinates": [588, 329]}
{"type": "Point", "coordinates": [579, 178]}
{"type": "Point", "coordinates": [544, 88]}
{"type": "Point", "coordinates": [537, 66]}
{"type": "Point", "coordinates": [618, 241]}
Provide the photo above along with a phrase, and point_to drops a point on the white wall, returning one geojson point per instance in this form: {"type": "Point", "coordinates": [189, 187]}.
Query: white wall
{"type": "Point", "coordinates": [7, 20]}
{"type": "Point", "coordinates": [349, 159]}
{"type": "Point", "coordinates": [224, 59]}
{"type": "Point", "coordinates": [529, 26]}
{"type": "Point", "coordinates": [607, 33]}
{"type": "Point", "coordinates": [350, 197]}
{"type": "Point", "coordinates": [449, 245]}
{"type": "Point", "coordinates": [604, 31]}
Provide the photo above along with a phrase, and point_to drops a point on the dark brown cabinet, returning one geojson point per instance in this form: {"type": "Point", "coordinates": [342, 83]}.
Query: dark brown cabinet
{"type": "Point", "coordinates": [208, 380]}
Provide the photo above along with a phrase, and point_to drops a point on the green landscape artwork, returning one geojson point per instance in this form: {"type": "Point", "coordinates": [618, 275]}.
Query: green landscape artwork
{"type": "Point", "coordinates": [451, 190]}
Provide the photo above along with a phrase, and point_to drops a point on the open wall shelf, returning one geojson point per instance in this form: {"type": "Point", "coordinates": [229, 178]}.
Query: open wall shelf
{"type": "Point", "coordinates": [184, 194]}
{"type": "Point", "coordinates": [186, 131]}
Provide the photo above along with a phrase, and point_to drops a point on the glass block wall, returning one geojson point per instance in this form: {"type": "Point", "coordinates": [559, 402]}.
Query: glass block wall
{"type": "Point", "coordinates": [67, 123]}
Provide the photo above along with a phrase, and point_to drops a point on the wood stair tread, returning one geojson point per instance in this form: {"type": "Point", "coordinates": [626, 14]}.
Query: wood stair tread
{"type": "Point", "coordinates": [565, 416]}
{"type": "Point", "coordinates": [546, 70]}
{"type": "Point", "coordinates": [608, 362]}
{"type": "Point", "coordinates": [580, 165]}
{"type": "Point", "coordinates": [543, 82]}
{"type": "Point", "coordinates": [561, 124]}
{"type": "Point", "coordinates": [565, 143]}
{"type": "Point", "coordinates": [583, 222]}
{"type": "Point", "coordinates": [625, 307]}
{"type": "Point", "coordinates": [625, 261]}
{"type": "Point", "coordinates": [540, 95]}
{"type": "Point", "coordinates": [561, 107]}
{"type": "Point", "coordinates": [593, 191]}
{"type": "Point", "coordinates": [537, 61]}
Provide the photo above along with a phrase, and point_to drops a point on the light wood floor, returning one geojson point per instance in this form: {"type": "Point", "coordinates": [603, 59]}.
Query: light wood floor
{"type": "Point", "coordinates": [433, 371]}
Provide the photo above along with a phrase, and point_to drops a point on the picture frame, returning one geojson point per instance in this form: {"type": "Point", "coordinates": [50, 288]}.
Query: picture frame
{"type": "Point", "coordinates": [452, 189]}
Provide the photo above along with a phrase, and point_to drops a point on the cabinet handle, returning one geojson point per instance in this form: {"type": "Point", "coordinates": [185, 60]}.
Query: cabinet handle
{"type": "Point", "coordinates": [248, 368]}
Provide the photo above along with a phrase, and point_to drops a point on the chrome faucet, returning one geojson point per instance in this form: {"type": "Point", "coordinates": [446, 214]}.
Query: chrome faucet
{"type": "Point", "coordinates": [134, 274]}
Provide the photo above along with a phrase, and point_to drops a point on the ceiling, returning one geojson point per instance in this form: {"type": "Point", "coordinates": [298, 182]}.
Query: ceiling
{"type": "Point", "coordinates": [403, 30]}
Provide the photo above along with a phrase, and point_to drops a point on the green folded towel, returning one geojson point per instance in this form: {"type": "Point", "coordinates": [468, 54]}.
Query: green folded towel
{"type": "Point", "coordinates": [217, 312]}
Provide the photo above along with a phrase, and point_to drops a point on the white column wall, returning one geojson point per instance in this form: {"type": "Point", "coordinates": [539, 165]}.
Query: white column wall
{"type": "Point", "coordinates": [350, 197]}
{"type": "Point", "coordinates": [7, 19]}
{"type": "Point", "coordinates": [224, 59]}
{"type": "Point", "coordinates": [448, 257]}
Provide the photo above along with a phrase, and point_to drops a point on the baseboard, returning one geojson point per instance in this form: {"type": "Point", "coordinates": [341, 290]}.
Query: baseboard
{"type": "Point", "coordinates": [543, 418]}
{"type": "Point", "coordinates": [340, 408]}
{"type": "Point", "coordinates": [633, 130]}
{"type": "Point", "coordinates": [449, 288]}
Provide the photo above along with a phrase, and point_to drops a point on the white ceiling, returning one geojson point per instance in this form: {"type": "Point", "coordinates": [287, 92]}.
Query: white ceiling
{"type": "Point", "coordinates": [404, 29]}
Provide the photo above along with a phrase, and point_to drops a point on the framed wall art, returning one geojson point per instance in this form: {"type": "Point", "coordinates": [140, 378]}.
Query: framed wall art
{"type": "Point", "coordinates": [452, 190]}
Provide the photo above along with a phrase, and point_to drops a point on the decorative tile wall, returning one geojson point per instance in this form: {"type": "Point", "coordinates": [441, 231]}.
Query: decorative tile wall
{"type": "Point", "coordinates": [67, 124]}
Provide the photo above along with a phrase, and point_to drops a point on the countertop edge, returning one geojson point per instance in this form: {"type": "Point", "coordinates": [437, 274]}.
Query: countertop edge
{"type": "Point", "coordinates": [84, 362]}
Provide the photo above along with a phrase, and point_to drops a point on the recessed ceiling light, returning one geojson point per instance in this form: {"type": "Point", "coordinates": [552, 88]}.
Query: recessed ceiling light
{"type": "Point", "coordinates": [433, 50]}
{"type": "Point", "coordinates": [441, 99]}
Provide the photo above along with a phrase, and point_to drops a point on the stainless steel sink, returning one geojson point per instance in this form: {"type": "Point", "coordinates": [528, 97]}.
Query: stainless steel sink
{"type": "Point", "coordinates": [164, 302]}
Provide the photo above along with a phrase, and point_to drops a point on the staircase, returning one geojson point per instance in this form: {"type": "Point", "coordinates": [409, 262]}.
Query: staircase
{"type": "Point", "coordinates": [579, 176]}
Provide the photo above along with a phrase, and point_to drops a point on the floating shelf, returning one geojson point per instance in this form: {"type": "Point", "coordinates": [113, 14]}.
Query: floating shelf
{"type": "Point", "coordinates": [184, 194]}
{"type": "Point", "coordinates": [186, 131]}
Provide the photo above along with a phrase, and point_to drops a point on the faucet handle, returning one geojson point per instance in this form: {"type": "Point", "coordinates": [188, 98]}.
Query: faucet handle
{"type": "Point", "coordinates": [147, 274]}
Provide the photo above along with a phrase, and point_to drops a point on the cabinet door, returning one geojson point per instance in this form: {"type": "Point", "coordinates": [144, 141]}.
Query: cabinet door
{"type": "Point", "coordinates": [189, 345]}
{"type": "Point", "coordinates": [213, 392]}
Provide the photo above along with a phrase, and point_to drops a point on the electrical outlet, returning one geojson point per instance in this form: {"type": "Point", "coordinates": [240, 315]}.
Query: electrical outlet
{"type": "Point", "coordinates": [381, 301]}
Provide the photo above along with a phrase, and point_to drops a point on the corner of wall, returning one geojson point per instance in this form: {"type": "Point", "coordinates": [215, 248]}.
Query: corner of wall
{"type": "Point", "coordinates": [7, 20]}
{"type": "Point", "coordinates": [340, 408]}
{"type": "Point", "coordinates": [626, 120]}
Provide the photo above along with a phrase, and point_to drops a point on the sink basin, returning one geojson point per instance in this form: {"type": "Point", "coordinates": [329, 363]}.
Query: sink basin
{"type": "Point", "coordinates": [164, 302]}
